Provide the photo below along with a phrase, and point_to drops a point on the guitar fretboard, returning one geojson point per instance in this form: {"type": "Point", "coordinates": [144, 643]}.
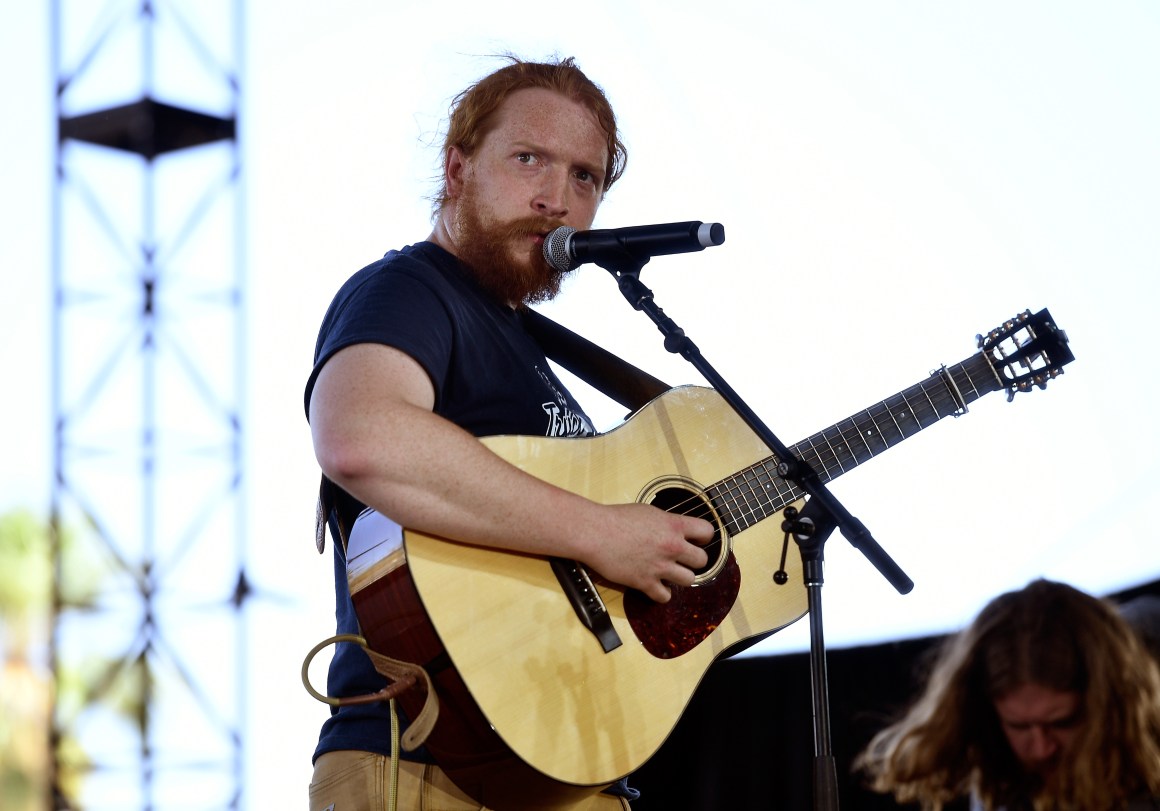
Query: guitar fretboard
{"type": "Point", "coordinates": [758, 491]}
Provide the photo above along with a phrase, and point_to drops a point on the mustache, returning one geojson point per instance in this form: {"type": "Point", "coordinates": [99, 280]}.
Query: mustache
{"type": "Point", "coordinates": [530, 226]}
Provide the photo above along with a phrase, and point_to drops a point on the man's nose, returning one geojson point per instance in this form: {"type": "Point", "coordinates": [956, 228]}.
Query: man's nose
{"type": "Point", "coordinates": [551, 198]}
{"type": "Point", "coordinates": [1041, 744]}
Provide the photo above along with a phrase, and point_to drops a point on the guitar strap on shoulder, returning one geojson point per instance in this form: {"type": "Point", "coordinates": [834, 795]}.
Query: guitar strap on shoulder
{"type": "Point", "coordinates": [619, 379]}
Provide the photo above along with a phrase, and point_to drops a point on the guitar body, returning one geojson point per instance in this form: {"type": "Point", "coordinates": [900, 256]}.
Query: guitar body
{"type": "Point", "coordinates": [541, 679]}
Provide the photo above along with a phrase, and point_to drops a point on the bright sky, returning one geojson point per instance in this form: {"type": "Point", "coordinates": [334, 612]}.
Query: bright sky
{"type": "Point", "coordinates": [893, 179]}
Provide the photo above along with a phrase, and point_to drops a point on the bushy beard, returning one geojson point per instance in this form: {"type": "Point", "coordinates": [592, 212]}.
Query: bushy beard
{"type": "Point", "coordinates": [505, 262]}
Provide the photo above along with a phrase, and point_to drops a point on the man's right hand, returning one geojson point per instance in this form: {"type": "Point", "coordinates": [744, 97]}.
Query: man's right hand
{"type": "Point", "coordinates": [648, 549]}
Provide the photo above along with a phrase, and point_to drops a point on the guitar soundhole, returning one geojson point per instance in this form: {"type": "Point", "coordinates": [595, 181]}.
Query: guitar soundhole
{"type": "Point", "coordinates": [682, 501]}
{"type": "Point", "coordinates": [694, 612]}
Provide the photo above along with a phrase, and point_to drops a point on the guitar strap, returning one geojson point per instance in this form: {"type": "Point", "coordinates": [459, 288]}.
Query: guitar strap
{"type": "Point", "coordinates": [620, 380]}
{"type": "Point", "coordinates": [626, 384]}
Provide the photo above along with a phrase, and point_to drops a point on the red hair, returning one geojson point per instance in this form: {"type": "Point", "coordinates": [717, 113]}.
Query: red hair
{"type": "Point", "coordinates": [473, 111]}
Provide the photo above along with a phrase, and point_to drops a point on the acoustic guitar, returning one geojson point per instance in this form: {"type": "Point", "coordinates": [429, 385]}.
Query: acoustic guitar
{"type": "Point", "coordinates": [556, 681]}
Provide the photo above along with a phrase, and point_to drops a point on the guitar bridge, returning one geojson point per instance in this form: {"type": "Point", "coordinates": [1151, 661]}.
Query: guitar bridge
{"type": "Point", "coordinates": [586, 601]}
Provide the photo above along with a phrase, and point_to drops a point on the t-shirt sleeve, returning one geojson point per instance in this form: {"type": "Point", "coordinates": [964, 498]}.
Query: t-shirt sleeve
{"type": "Point", "coordinates": [393, 307]}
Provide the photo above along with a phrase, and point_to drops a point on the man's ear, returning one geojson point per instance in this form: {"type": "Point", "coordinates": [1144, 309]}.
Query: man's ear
{"type": "Point", "coordinates": [455, 166]}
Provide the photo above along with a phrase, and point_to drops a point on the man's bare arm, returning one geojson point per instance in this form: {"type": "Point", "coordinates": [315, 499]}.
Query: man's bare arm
{"type": "Point", "coordinates": [376, 436]}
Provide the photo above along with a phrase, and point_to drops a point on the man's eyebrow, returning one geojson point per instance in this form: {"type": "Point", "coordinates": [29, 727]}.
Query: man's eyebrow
{"type": "Point", "coordinates": [523, 144]}
{"type": "Point", "coordinates": [594, 169]}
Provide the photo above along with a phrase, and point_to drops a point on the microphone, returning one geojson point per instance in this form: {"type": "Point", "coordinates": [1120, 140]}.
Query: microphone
{"type": "Point", "coordinates": [565, 247]}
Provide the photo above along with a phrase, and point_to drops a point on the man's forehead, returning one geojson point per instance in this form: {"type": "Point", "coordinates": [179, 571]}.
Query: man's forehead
{"type": "Point", "coordinates": [537, 115]}
{"type": "Point", "coordinates": [1036, 704]}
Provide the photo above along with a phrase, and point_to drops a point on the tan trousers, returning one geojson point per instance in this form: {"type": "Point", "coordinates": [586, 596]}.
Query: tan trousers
{"type": "Point", "coordinates": [360, 781]}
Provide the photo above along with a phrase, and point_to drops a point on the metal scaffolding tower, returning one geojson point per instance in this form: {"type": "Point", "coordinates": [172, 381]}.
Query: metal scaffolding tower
{"type": "Point", "coordinates": [148, 641]}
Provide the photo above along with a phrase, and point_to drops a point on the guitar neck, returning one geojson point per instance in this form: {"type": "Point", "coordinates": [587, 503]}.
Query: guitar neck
{"type": "Point", "coordinates": [757, 492]}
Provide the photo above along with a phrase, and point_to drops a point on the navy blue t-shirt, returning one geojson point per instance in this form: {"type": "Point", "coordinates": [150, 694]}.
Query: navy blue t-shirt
{"type": "Point", "coordinates": [490, 377]}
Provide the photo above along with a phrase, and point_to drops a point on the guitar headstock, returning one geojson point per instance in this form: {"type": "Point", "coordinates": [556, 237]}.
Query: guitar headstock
{"type": "Point", "coordinates": [1027, 350]}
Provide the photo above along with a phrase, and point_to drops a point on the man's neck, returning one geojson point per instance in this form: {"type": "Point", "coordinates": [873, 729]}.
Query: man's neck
{"type": "Point", "coordinates": [441, 234]}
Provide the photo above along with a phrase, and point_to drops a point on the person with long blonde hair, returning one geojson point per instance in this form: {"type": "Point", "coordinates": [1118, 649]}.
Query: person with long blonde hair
{"type": "Point", "coordinates": [1048, 700]}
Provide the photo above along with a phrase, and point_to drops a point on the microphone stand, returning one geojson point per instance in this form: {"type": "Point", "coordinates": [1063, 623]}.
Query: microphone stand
{"type": "Point", "coordinates": [810, 529]}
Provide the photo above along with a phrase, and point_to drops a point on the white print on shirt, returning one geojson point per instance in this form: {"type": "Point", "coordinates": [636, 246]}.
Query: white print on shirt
{"type": "Point", "coordinates": [562, 421]}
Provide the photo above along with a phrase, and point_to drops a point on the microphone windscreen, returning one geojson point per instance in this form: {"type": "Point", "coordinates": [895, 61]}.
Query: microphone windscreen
{"type": "Point", "coordinates": [556, 248]}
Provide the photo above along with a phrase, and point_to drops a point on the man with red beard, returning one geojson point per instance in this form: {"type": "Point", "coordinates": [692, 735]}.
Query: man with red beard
{"type": "Point", "coordinates": [424, 351]}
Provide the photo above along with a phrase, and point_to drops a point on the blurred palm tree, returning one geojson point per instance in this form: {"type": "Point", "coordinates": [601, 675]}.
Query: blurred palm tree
{"type": "Point", "coordinates": [25, 673]}
{"type": "Point", "coordinates": [26, 679]}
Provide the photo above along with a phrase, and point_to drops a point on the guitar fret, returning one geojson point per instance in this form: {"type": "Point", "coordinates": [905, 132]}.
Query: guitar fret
{"type": "Point", "coordinates": [765, 492]}
{"type": "Point", "coordinates": [819, 457]}
{"type": "Point", "coordinates": [971, 387]}
{"type": "Point", "coordinates": [765, 473]}
{"type": "Point", "coordinates": [850, 426]}
{"type": "Point", "coordinates": [945, 395]}
{"type": "Point", "coordinates": [921, 412]}
{"type": "Point", "coordinates": [964, 383]}
{"type": "Point", "coordinates": [890, 413]}
{"type": "Point", "coordinates": [983, 379]}
{"type": "Point", "coordinates": [779, 486]}
{"type": "Point", "coordinates": [832, 461]}
{"type": "Point", "coordinates": [871, 434]}
{"type": "Point", "coordinates": [833, 452]}
{"type": "Point", "coordinates": [726, 502]}
{"type": "Point", "coordinates": [745, 495]}
{"type": "Point", "coordinates": [718, 498]}
{"type": "Point", "coordinates": [910, 425]}
{"type": "Point", "coordinates": [842, 452]}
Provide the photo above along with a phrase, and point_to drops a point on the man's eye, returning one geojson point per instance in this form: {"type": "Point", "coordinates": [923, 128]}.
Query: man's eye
{"type": "Point", "coordinates": [525, 157]}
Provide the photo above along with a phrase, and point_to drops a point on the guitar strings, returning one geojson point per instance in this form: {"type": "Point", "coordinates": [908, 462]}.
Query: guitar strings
{"type": "Point", "coordinates": [756, 492]}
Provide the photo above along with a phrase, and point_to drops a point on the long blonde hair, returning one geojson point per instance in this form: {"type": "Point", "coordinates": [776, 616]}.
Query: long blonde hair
{"type": "Point", "coordinates": [949, 743]}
